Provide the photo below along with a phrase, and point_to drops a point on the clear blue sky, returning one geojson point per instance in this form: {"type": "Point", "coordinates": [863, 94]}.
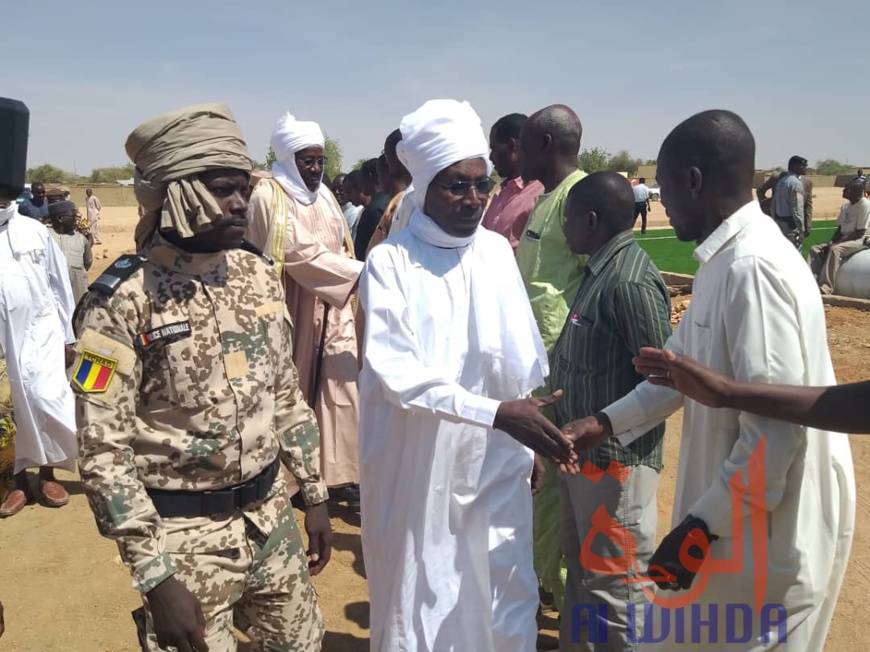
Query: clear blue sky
{"type": "Point", "coordinates": [90, 71]}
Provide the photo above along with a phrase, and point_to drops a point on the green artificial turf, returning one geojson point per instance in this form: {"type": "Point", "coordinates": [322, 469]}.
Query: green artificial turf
{"type": "Point", "coordinates": [671, 255]}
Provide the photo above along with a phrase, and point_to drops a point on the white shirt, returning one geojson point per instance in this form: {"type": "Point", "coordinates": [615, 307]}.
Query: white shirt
{"type": "Point", "coordinates": [36, 306]}
{"type": "Point", "coordinates": [756, 315]}
{"type": "Point", "coordinates": [446, 502]}
{"type": "Point", "coordinates": [854, 217]}
{"type": "Point", "coordinates": [94, 208]}
{"type": "Point", "coordinates": [641, 193]}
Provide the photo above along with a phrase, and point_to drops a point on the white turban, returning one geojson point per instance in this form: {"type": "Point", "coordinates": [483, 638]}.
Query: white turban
{"type": "Point", "coordinates": [437, 135]}
{"type": "Point", "coordinates": [290, 136]}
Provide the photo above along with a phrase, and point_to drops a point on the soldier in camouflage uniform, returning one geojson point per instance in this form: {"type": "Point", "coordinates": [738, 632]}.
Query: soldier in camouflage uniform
{"type": "Point", "coordinates": [188, 405]}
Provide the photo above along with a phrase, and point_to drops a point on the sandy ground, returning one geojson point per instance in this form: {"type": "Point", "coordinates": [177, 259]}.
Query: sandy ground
{"type": "Point", "coordinates": [65, 589]}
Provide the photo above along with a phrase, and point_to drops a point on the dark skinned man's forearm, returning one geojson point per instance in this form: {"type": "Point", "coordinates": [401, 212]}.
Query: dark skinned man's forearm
{"type": "Point", "coordinates": [841, 408]}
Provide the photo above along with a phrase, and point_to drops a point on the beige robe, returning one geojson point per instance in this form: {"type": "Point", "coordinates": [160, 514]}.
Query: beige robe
{"type": "Point", "coordinates": [318, 267]}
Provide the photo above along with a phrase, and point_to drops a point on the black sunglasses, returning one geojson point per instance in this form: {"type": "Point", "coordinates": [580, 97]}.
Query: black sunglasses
{"type": "Point", "coordinates": [311, 162]}
{"type": "Point", "coordinates": [461, 188]}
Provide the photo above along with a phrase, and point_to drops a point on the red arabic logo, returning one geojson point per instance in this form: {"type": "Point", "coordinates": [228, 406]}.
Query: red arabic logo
{"type": "Point", "coordinates": [705, 567]}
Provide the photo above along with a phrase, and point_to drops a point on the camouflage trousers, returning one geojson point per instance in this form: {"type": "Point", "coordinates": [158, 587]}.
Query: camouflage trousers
{"type": "Point", "coordinates": [259, 584]}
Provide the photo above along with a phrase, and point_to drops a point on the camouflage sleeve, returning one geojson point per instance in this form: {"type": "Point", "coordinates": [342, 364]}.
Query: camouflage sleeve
{"type": "Point", "coordinates": [106, 379]}
{"type": "Point", "coordinates": [296, 426]}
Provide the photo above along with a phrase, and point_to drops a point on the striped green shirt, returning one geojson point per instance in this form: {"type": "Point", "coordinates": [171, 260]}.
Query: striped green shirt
{"type": "Point", "coordinates": [622, 305]}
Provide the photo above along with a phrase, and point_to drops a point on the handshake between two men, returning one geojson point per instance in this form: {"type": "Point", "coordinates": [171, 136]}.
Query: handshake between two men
{"type": "Point", "coordinates": [524, 421]}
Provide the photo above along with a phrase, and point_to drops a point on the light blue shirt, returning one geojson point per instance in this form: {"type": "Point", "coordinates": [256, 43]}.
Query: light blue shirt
{"type": "Point", "coordinates": [32, 210]}
{"type": "Point", "coordinates": [351, 215]}
{"type": "Point", "coordinates": [641, 194]}
{"type": "Point", "coordinates": [788, 199]}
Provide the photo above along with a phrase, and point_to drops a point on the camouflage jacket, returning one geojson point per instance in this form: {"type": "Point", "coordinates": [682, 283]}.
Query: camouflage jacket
{"type": "Point", "coordinates": [184, 380]}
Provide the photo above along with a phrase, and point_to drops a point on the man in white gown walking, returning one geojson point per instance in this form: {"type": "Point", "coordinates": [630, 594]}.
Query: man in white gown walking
{"type": "Point", "coordinates": [451, 353]}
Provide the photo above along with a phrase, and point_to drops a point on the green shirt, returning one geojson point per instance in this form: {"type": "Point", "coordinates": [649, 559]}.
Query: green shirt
{"type": "Point", "coordinates": [551, 272]}
{"type": "Point", "coordinates": [622, 305]}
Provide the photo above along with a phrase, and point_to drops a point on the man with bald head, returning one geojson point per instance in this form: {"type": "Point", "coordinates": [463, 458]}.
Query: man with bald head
{"type": "Point", "coordinates": [755, 316]}
{"type": "Point", "coordinates": [37, 206]}
{"type": "Point", "coordinates": [849, 238]}
{"type": "Point", "coordinates": [451, 354]}
{"type": "Point", "coordinates": [621, 306]}
{"type": "Point", "coordinates": [549, 146]}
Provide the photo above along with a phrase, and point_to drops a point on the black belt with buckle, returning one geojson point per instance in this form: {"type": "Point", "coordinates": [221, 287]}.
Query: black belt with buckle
{"type": "Point", "coordinates": [189, 504]}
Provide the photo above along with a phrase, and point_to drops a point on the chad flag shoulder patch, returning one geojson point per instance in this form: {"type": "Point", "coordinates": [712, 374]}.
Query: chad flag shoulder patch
{"type": "Point", "coordinates": [94, 372]}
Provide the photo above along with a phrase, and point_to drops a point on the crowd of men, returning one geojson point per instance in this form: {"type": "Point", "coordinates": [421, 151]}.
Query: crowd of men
{"type": "Point", "coordinates": [791, 207]}
{"type": "Point", "coordinates": [438, 348]}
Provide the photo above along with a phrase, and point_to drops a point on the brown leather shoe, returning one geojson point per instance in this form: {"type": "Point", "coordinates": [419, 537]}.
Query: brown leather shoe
{"type": "Point", "coordinates": [53, 494]}
{"type": "Point", "coordinates": [15, 501]}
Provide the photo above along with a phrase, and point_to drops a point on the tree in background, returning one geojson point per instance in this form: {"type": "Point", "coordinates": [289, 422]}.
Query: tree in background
{"type": "Point", "coordinates": [358, 165]}
{"type": "Point", "coordinates": [598, 159]}
{"type": "Point", "coordinates": [332, 152]}
{"type": "Point", "coordinates": [593, 160]}
{"type": "Point", "coordinates": [47, 173]}
{"type": "Point", "coordinates": [622, 161]}
{"type": "Point", "coordinates": [113, 174]}
{"type": "Point", "coordinates": [833, 167]}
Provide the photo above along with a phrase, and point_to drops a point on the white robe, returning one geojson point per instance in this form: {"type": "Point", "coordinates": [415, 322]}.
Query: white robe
{"type": "Point", "coordinates": [756, 315]}
{"type": "Point", "coordinates": [36, 306]}
{"type": "Point", "coordinates": [446, 502]}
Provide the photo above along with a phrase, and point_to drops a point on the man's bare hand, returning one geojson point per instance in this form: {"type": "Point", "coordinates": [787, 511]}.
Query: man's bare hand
{"type": "Point", "coordinates": [319, 530]}
{"type": "Point", "coordinates": [684, 374]}
{"type": "Point", "coordinates": [178, 618]}
{"type": "Point", "coordinates": [585, 434]}
{"type": "Point", "coordinates": [522, 420]}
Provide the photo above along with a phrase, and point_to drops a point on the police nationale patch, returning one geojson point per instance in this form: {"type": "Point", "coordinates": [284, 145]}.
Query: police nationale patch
{"type": "Point", "coordinates": [94, 372]}
{"type": "Point", "coordinates": [176, 331]}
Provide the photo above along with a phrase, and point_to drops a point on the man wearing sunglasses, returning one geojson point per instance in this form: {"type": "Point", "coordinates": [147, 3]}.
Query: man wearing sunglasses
{"type": "Point", "coordinates": [297, 220]}
{"type": "Point", "coordinates": [451, 353]}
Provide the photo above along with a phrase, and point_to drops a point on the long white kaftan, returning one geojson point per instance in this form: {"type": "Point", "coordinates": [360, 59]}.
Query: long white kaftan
{"type": "Point", "coordinates": [36, 306]}
{"type": "Point", "coordinates": [446, 502]}
{"type": "Point", "coordinates": [756, 315]}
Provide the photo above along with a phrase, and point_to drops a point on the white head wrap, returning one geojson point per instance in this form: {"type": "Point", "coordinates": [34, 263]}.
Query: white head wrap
{"type": "Point", "coordinates": [437, 135]}
{"type": "Point", "coordinates": [290, 136]}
